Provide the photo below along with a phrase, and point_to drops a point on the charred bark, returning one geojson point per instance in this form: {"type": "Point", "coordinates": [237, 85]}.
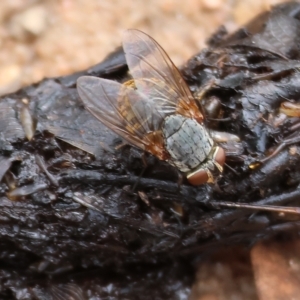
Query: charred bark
{"type": "Point", "coordinates": [83, 217]}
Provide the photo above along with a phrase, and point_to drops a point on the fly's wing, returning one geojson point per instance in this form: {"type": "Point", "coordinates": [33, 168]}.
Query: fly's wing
{"type": "Point", "coordinates": [152, 69]}
{"type": "Point", "coordinates": [66, 291]}
{"type": "Point", "coordinates": [137, 114]}
{"type": "Point", "coordinates": [122, 109]}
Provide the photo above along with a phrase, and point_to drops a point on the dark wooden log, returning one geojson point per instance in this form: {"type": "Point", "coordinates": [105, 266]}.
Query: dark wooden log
{"type": "Point", "coordinates": [81, 216]}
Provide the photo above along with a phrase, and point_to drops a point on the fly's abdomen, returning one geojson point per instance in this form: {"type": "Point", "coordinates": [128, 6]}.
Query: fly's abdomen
{"type": "Point", "coordinates": [187, 142]}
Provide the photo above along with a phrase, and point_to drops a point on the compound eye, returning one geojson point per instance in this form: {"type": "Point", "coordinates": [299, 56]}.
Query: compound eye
{"type": "Point", "coordinates": [220, 156]}
{"type": "Point", "coordinates": [199, 177]}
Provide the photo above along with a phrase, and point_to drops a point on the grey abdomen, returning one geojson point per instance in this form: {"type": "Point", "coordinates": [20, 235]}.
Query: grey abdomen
{"type": "Point", "coordinates": [187, 142]}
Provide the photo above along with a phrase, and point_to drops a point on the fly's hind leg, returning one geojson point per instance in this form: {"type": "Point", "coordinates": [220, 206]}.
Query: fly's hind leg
{"type": "Point", "coordinates": [145, 165]}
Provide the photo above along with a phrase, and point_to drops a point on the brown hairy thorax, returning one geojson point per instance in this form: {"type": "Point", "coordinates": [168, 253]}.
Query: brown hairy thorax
{"type": "Point", "coordinates": [156, 145]}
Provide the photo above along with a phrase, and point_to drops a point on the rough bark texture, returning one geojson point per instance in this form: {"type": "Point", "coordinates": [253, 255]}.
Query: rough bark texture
{"type": "Point", "coordinates": [78, 218]}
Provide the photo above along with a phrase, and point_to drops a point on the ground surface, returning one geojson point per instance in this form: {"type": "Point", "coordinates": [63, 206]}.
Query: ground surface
{"type": "Point", "coordinates": [56, 37]}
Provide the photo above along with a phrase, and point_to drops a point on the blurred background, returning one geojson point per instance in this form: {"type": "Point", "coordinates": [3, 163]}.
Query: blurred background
{"type": "Point", "coordinates": [50, 38]}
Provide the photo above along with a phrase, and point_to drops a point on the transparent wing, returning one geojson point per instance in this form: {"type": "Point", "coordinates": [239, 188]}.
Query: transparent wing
{"type": "Point", "coordinates": [136, 111]}
{"type": "Point", "coordinates": [103, 98]}
{"type": "Point", "coordinates": [148, 61]}
{"type": "Point", "coordinates": [66, 291]}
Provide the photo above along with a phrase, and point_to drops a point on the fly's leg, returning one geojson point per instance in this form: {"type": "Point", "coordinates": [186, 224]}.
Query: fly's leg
{"type": "Point", "coordinates": [144, 161]}
{"type": "Point", "coordinates": [143, 157]}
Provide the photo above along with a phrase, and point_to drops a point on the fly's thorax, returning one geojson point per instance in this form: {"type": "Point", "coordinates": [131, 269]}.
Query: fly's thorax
{"type": "Point", "coordinates": [188, 142]}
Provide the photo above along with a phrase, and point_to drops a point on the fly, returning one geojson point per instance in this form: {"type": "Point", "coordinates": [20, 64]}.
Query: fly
{"type": "Point", "coordinates": [155, 111]}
